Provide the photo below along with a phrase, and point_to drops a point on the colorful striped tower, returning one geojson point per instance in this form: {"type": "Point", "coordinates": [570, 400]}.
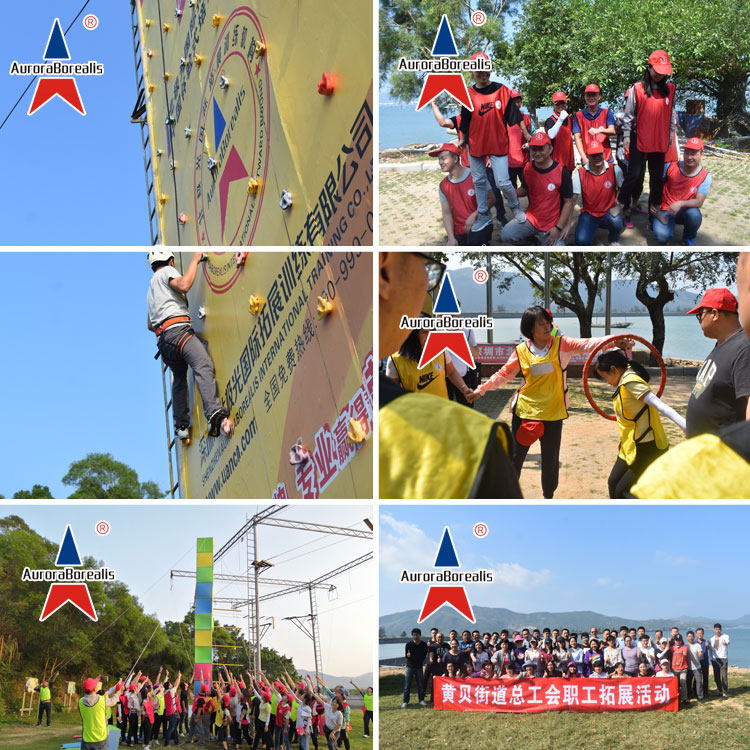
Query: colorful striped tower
{"type": "Point", "coordinates": [204, 610]}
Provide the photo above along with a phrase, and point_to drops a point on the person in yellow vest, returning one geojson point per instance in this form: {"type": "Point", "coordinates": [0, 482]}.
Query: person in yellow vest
{"type": "Point", "coordinates": [540, 405]}
{"type": "Point", "coordinates": [642, 437]}
{"type": "Point", "coordinates": [708, 466]}
{"type": "Point", "coordinates": [430, 446]}
{"type": "Point", "coordinates": [432, 378]}
{"type": "Point", "coordinates": [45, 699]}
{"type": "Point", "coordinates": [367, 702]}
{"type": "Point", "coordinates": [160, 721]}
{"type": "Point", "coordinates": [93, 710]}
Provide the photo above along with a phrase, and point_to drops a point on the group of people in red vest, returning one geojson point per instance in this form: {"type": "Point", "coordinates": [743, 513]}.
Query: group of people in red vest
{"type": "Point", "coordinates": [500, 156]}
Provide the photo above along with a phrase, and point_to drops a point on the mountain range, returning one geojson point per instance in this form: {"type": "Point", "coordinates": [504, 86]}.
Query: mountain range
{"type": "Point", "coordinates": [519, 296]}
{"type": "Point", "coordinates": [497, 618]}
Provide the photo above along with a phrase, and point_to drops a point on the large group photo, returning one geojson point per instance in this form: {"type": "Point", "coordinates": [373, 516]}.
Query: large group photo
{"type": "Point", "coordinates": [655, 408]}
{"type": "Point", "coordinates": [624, 125]}
{"type": "Point", "coordinates": [537, 630]}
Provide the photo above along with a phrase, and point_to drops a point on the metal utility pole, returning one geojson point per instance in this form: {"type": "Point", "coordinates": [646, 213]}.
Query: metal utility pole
{"type": "Point", "coordinates": [547, 281]}
{"type": "Point", "coordinates": [608, 298]}
{"type": "Point", "coordinates": [489, 294]}
{"type": "Point", "coordinates": [257, 602]}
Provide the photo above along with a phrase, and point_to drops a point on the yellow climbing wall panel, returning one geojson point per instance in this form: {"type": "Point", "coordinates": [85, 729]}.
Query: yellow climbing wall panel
{"type": "Point", "coordinates": [286, 376]}
{"type": "Point", "coordinates": [236, 119]}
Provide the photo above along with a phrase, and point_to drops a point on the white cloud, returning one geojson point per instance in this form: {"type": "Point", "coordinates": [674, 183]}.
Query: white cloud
{"type": "Point", "coordinates": [608, 582]}
{"type": "Point", "coordinates": [514, 575]}
{"type": "Point", "coordinates": [404, 545]}
{"type": "Point", "coordinates": [677, 560]}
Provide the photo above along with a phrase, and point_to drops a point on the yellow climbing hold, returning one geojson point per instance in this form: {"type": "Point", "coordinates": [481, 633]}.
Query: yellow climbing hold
{"type": "Point", "coordinates": [216, 20]}
{"type": "Point", "coordinates": [260, 49]}
{"type": "Point", "coordinates": [356, 433]}
{"type": "Point", "coordinates": [324, 306]}
{"type": "Point", "coordinates": [255, 305]}
{"type": "Point", "coordinates": [253, 186]}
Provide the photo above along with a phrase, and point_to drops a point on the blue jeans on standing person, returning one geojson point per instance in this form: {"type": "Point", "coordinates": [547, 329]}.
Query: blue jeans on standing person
{"type": "Point", "coordinates": [588, 224]}
{"type": "Point", "coordinates": [691, 218]}
{"type": "Point", "coordinates": [171, 732]}
{"type": "Point", "coordinates": [408, 674]}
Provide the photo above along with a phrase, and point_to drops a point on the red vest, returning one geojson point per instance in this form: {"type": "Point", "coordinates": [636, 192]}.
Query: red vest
{"type": "Point", "coordinates": [518, 156]}
{"type": "Point", "coordinates": [562, 145]}
{"type": "Point", "coordinates": [680, 187]}
{"type": "Point", "coordinates": [488, 134]}
{"type": "Point", "coordinates": [653, 117]}
{"type": "Point", "coordinates": [149, 706]}
{"type": "Point", "coordinates": [598, 191]}
{"type": "Point", "coordinates": [168, 703]}
{"type": "Point", "coordinates": [124, 701]}
{"type": "Point", "coordinates": [600, 121]}
{"type": "Point", "coordinates": [544, 196]}
{"type": "Point", "coordinates": [672, 154]}
{"type": "Point", "coordinates": [462, 200]}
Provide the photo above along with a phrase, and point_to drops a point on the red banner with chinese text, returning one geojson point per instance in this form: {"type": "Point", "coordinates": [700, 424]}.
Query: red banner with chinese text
{"type": "Point", "coordinates": [557, 694]}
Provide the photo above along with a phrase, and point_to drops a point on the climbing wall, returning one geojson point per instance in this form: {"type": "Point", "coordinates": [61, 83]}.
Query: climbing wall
{"type": "Point", "coordinates": [251, 104]}
{"type": "Point", "coordinates": [204, 610]}
{"type": "Point", "coordinates": [288, 376]}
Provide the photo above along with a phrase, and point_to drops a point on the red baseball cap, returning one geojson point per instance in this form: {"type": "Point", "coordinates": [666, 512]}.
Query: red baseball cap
{"type": "Point", "coordinates": [660, 61]}
{"type": "Point", "coordinates": [445, 147]}
{"type": "Point", "coordinates": [595, 147]}
{"type": "Point", "coordinates": [477, 55]}
{"type": "Point", "coordinates": [133, 687]}
{"type": "Point", "coordinates": [539, 139]}
{"type": "Point", "coordinates": [559, 96]}
{"type": "Point", "coordinates": [515, 94]}
{"type": "Point", "coordinates": [529, 432]}
{"type": "Point", "coordinates": [716, 299]}
{"type": "Point", "coordinates": [694, 144]}
{"type": "Point", "coordinates": [592, 87]}
{"type": "Point", "coordinates": [89, 684]}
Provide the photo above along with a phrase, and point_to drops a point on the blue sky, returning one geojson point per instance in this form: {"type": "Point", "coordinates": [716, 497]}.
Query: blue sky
{"type": "Point", "coordinates": [636, 562]}
{"type": "Point", "coordinates": [169, 533]}
{"type": "Point", "coordinates": [72, 179]}
{"type": "Point", "coordinates": [79, 374]}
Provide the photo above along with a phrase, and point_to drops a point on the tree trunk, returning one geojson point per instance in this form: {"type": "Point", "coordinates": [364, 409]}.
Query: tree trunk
{"type": "Point", "coordinates": [655, 307]}
{"type": "Point", "coordinates": [731, 101]}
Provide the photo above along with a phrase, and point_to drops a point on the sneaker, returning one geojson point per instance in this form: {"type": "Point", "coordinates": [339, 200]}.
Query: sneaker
{"type": "Point", "coordinates": [638, 210]}
{"type": "Point", "coordinates": [404, 705]}
{"type": "Point", "coordinates": [182, 433]}
{"type": "Point", "coordinates": [216, 421]}
{"type": "Point", "coordinates": [613, 244]}
{"type": "Point", "coordinates": [366, 736]}
{"type": "Point", "coordinates": [628, 221]}
{"type": "Point", "coordinates": [518, 214]}
{"type": "Point", "coordinates": [422, 703]}
{"type": "Point", "coordinates": [148, 747]}
{"type": "Point", "coordinates": [483, 220]}
{"type": "Point", "coordinates": [688, 242]}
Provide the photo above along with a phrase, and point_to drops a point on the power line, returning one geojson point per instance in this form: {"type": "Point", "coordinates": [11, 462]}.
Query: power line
{"type": "Point", "coordinates": [18, 101]}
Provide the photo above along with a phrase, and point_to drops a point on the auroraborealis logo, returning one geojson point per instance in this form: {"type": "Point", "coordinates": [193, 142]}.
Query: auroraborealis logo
{"type": "Point", "coordinates": [67, 583]}
{"type": "Point", "coordinates": [56, 77]}
{"type": "Point", "coordinates": [445, 330]}
{"type": "Point", "coordinates": [444, 73]}
{"type": "Point", "coordinates": [446, 586]}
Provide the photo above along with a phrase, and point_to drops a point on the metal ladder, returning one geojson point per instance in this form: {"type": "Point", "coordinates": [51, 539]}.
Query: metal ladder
{"type": "Point", "coordinates": [315, 632]}
{"type": "Point", "coordinates": [153, 218]}
{"type": "Point", "coordinates": [172, 445]}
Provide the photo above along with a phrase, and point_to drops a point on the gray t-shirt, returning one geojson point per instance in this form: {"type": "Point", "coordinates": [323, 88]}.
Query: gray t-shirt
{"type": "Point", "coordinates": [163, 301]}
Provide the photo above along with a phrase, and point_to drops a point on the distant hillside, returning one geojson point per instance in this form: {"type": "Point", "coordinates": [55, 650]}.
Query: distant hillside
{"type": "Point", "coordinates": [473, 296]}
{"type": "Point", "coordinates": [362, 681]}
{"type": "Point", "coordinates": [496, 618]}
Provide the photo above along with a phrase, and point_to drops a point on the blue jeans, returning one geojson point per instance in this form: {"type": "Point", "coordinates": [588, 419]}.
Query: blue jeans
{"type": "Point", "coordinates": [482, 184]}
{"type": "Point", "coordinates": [691, 218]}
{"type": "Point", "coordinates": [417, 673]}
{"type": "Point", "coordinates": [588, 224]}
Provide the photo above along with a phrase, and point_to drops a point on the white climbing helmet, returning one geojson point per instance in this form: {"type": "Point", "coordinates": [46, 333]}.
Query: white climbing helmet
{"type": "Point", "coordinates": [159, 256]}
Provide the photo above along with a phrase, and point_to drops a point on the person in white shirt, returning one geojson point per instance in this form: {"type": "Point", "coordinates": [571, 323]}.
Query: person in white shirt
{"type": "Point", "coordinates": [646, 652]}
{"type": "Point", "coordinates": [695, 653]}
{"type": "Point", "coordinates": [720, 659]}
{"type": "Point", "coordinates": [665, 671]}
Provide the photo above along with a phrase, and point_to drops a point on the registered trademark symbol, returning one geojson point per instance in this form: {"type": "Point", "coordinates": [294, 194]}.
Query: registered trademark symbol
{"type": "Point", "coordinates": [90, 22]}
{"type": "Point", "coordinates": [481, 530]}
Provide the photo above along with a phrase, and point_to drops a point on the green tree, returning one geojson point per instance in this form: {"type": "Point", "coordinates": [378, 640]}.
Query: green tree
{"type": "Point", "coordinates": [658, 274]}
{"type": "Point", "coordinates": [408, 29]}
{"type": "Point", "coordinates": [100, 476]}
{"type": "Point", "coordinates": [37, 492]}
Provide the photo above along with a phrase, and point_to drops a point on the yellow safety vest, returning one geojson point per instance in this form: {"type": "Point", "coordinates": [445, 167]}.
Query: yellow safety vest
{"type": "Point", "coordinates": [637, 421]}
{"type": "Point", "coordinates": [45, 694]}
{"type": "Point", "coordinates": [94, 720]}
{"type": "Point", "coordinates": [434, 448]}
{"type": "Point", "coordinates": [430, 379]}
{"type": "Point", "coordinates": [542, 396]}
{"type": "Point", "coordinates": [702, 468]}
{"type": "Point", "coordinates": [160, 701]}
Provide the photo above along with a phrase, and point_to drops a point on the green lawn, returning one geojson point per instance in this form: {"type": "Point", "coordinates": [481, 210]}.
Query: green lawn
{"type": "Point", "coordinates": [23, 735]}
{"type": "Point", "coordinates": [715, 725]}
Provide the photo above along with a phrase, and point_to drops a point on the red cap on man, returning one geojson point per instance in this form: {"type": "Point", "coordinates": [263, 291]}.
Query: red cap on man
{"type": "Point", "coordinates": [539, 139]}
{"type": "Point", "coordinates": [89, 685]}
{"type": "Point", "coordinates": [559, 96]}
{"type": "Point", "coordinates": [716, 299]}
{"type": "Point", "coordinates": [595, 147]}
{"type": "Point", "coordinates": [515, 94]}
{"type": "Point", "coordinates": [477, 55]}
{"type": "Point", "coordinates": [445, 147]}
{"type": "Point", "coordinates": [694, 144]}
{"type": "Point", "coordinates": [592, 88]}
{"type": "Point", "coordinates": [659, 60]}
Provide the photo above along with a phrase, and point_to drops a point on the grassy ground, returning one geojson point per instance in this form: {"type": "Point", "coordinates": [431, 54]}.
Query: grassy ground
{"type": "Point", "coordinates": [23, 735]}
{"type": "Point", "coordinates": [410, 209]}
{"type": "Point", "coordinates": [714, 725]}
